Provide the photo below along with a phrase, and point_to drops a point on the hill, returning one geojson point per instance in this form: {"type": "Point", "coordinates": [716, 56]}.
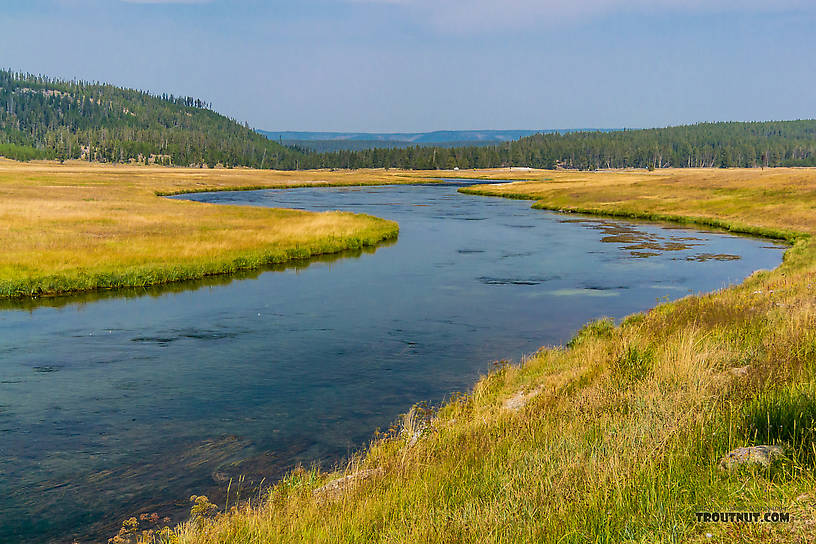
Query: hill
{"type": "Point", "coordinates": [47, 118]}
{"type": "Point", "coordinates": [328, 142]}
{"type": "Point", "coordinates": [332, 146]}
{"type": "Point", "coordinates": [436, 137]}
{"type": "Point", "coordinates": [725, 144]}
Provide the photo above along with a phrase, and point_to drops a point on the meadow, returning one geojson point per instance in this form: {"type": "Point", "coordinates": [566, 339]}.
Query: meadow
{"type": "Point", "coordinates": [79, 226]}
{"type": "Point", "coordinates": [615, 437]}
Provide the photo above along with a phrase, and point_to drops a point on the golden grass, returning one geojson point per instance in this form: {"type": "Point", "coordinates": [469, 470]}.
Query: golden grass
{"type": "Point", "coordinates": [619, 434]}
{"type": "Point", "coordinates": [77, 226]}
{"type": "Point", "coordinates": [775, 199]}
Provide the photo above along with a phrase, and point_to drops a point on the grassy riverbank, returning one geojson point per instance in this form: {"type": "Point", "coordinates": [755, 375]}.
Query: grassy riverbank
{"type": "Point", "coordinates": [78, 227]}
{"type": "Point", "coordinates": [617, 437]}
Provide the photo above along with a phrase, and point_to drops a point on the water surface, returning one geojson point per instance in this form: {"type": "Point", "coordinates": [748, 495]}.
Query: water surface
{"type": "Point", "coordinates": [124, 402]}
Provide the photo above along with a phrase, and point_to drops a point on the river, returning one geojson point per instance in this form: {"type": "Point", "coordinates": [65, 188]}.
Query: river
{"type": "Point", "coordinates": [117, 403]}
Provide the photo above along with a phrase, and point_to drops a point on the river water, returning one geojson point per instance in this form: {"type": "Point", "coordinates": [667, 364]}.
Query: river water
{"type": "Point", "coordinates": [118, 403]}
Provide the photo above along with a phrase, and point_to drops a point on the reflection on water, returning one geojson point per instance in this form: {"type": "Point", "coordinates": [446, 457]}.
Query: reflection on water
{"type": "Point", "coordinates": [122, 402]}
{"type": "Point", "coordinates": [29, 303]}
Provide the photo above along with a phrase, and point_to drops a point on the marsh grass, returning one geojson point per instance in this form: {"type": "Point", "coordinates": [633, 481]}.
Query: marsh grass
{"type": "Point", "coordinates": [621, 433]}
{"type": "Point", "coordinates": [78, 227]}
{"type": "Point", "coordinates": [771, 203]}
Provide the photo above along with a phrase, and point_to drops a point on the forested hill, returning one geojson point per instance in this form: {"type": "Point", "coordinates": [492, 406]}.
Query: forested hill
{"type": "Point", "coordinates": [42, 117]}
{"type": "Point", "coordinates": [751, 144]}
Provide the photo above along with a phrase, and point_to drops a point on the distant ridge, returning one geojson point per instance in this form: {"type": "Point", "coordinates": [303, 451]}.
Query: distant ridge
{"type": "Point", "coordinates": [435, 137]}
{"type": "Point", "coordinates": [720, 144]}
{"type": "Point", "coordinates": [359, 141]}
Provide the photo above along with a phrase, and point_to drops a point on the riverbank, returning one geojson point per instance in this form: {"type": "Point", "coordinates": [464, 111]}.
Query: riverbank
{"type": "Point", "coordinates": [79, 227]}
{"type": "Point", "coordinates": [616, 437]}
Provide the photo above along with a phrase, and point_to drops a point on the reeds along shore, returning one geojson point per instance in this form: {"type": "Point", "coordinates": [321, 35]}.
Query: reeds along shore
{"type": "Point", "coordinates": [616, 437]}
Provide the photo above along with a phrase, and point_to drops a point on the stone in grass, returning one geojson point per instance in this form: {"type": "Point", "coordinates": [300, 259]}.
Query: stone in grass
{"type": "Point", "coordinates": [752, 455]}
{"type": "Point", "coordinates": [739, 371]}
{"type": "Point", "coordinates": [520, 399]}
{"type": "Point", "coordinates": [336, 488]}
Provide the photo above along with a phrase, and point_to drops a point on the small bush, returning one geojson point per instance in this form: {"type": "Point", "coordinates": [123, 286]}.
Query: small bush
{"type": "Point", "coordinates": [202, 507]}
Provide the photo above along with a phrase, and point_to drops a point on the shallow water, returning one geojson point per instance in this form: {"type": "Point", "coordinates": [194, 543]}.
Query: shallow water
{"type": "Point", "coordinates": [124, 402]}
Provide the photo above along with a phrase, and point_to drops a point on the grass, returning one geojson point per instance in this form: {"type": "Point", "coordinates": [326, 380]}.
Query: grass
{"type": "Point", "coordinates": [777, 203]}
{"type": "Point", "coordinates": [78, 227]}
{"type": "Point", "coordinates": [619, 434]}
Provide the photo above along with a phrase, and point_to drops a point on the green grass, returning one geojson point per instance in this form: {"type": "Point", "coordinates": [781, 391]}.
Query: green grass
{"type": "Point", "coordinates": [117, 277]}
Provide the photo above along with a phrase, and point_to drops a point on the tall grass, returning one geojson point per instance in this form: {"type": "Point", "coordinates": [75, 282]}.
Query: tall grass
{"type": "Point", "coordinates": [784, 415]}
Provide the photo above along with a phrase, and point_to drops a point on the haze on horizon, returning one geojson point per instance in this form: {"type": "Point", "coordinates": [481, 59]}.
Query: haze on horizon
{"type": "Point", "coordinates": [422, 65]}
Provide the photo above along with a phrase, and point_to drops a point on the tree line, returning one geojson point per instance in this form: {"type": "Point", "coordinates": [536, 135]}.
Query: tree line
{"type": "Point", "coordinates": [723, 145]}
{"type": "Point", "coordinates": [42, 117]}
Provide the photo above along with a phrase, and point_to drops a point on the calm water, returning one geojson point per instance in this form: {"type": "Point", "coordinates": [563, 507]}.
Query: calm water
{"type": "Point", "coordinates": [129, 402]}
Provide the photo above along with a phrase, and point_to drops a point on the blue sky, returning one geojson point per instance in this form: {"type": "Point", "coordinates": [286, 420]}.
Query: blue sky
{"type": "Point", "coordinates": [420, 65]}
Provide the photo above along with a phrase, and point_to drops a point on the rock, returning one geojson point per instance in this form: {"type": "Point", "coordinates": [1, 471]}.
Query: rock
{"type": "Point", "coordinates": [220, 477]}
{"type": "Point", "coordinates": [739, 371]}
{"type": "Point", "coordinates": [753, 455]}
{"type": "Point", "coordinates": [416, 423]}
{"type": "Point", "coordinates": [336, 488]}
{"type": "Point", "coordinates": [516, 402]}
{"type": "Point", "coordinates": [520, 400]}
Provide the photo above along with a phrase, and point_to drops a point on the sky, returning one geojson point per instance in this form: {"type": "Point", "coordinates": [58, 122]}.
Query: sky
{"type": "Point", "coordinates": [422, 65]}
